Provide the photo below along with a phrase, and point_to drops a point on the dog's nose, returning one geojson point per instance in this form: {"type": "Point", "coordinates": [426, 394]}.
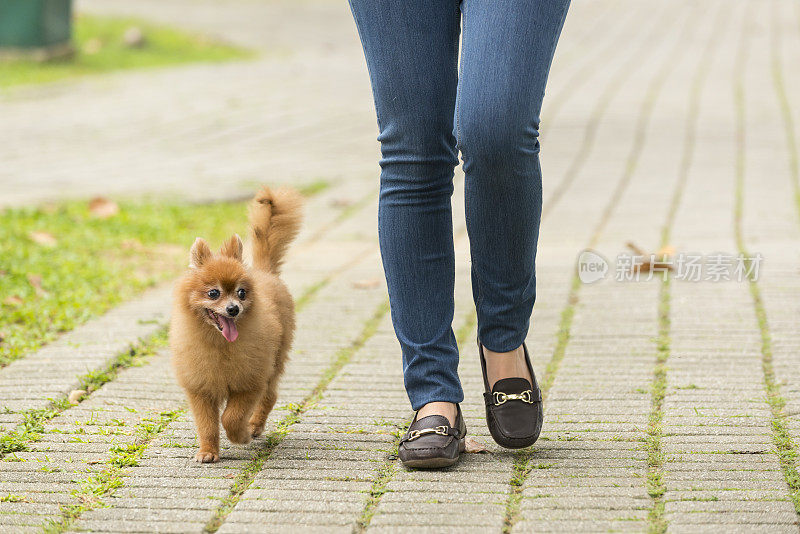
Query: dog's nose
{"type": "Point", "coordinates": [233, 310]}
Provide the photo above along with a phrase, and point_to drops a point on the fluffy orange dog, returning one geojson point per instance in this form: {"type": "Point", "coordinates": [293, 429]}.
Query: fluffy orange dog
{"type": "Point", "coordinates": [232, 325]}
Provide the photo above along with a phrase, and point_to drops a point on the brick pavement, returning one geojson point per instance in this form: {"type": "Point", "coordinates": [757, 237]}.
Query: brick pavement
{"type": "Point", "coordinates": [669, 405]}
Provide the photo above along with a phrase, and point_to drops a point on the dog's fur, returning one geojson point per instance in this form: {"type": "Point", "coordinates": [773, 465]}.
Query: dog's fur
{"type": "Point", "coordinates": [214, 367]}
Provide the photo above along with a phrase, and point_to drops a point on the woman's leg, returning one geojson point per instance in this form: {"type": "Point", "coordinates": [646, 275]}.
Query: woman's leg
{"type": "Point", "coordinates": [411, 48]}
{"type": "Point", "coordinates": [508, 47]}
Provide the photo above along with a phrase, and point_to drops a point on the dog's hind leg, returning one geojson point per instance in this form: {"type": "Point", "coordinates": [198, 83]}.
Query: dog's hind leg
{"type": "Point", "coordinates": [265, 405]}
{"type": "Point", "coordinates": [237, 412]}
{"type": "Point", "coordinates": [205, 411]}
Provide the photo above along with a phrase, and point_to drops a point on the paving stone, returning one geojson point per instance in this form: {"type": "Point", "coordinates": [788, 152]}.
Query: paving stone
{"type": "Point", "coordinates": [54, 370]}
{"type": "Point", "coordinates": [619, 141]}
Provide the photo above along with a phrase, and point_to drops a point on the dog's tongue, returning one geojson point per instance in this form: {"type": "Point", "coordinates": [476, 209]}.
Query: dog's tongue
{"type": "Point", "coordinates": [228, 328]}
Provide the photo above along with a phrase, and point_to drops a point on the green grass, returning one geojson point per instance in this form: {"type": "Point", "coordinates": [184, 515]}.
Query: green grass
{"type": "Point", "coordinates": [95, 264]}
{"type": "Point", "coordinates": [163, 46]}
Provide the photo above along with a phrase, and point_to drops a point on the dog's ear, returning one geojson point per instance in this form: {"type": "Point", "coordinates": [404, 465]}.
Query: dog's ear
{"type": "Point", "coordinates": [233, 248]}
{"type": "Point", "coordinates": [200, 253]}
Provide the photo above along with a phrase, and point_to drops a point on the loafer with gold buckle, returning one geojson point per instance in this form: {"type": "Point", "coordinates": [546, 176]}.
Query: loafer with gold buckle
{"type": "Point", "coordinates": [432, 443]}
{"type": "Point", "coordinates": [513, 407]}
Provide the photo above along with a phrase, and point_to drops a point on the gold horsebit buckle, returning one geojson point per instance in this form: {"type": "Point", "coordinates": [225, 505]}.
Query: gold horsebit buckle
{"type": "Point", "coordinates": [501, 398]}
{"type": "Point", "coordinates": [414, 434]}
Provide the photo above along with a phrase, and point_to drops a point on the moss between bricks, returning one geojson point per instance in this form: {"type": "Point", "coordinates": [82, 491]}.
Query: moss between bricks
{"type": "Point", "coordinates": [248, 473]}
{"type": "Point", "coordinates": [32, 426]}
{"type": "Point", "coordinates": [785, 447]}
{"type": "Point", "coordinates": [785, 107]}
{"type": "Point", "coordinates": [656, 487]}
{"type": "Point", "coordinates": [94, 489]}
{"type": "Point", "coordinates": [388, 467]}
{"type": "Point", "coordinates": [523, 459]}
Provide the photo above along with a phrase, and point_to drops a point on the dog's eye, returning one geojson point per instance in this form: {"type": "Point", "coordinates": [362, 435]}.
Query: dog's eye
{"type": "Point", "coordinates": [213, 294]}
{"type": "Point", "coordinates": [241, 294]}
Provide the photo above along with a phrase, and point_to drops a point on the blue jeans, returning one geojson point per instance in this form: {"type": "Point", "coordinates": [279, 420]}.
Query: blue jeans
{"type": "Point", "coordinates": [428, 111]}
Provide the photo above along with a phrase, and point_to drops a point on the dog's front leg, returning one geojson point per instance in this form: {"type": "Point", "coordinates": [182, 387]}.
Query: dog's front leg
{"type": "Point", "coordinates": [236, 415]}
{"type": "Point", "coordinates": [206, 418]}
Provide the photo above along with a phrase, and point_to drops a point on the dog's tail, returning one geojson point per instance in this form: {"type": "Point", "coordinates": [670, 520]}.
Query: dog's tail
{"type": "Point", "coordinates": [275, 218]}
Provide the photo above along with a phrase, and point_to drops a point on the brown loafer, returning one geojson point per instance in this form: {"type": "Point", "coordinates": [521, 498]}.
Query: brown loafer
{"type": "Point", "coordinates": [432, 443]}
{"type": "Point", "coordinates": [513, 407]}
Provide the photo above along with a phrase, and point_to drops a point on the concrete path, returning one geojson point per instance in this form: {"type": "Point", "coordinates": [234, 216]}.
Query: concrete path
{"type": "Point", "coordinates": [670, 404]}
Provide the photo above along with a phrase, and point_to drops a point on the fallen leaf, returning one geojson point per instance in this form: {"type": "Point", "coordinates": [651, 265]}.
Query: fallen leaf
{"type": "Point", "coordinates": [43, 238]}
{"type": "Point", "coordinates": [133, 37]}
{"type": "Point", "coordinates": [75, 396]}
{"type": "Point", "coordinates": [35, 280]}
{"type": "Point", "coordinates": [13, 300]}
{"type": "Point", "coordinates": [2, 337]}
{"type": "Point", "coordinates": [368, 283]}
{"type": "Point", "coordinates": [103, 208]}
{"type": "Point", "coordinates": [666, 250]}
{"type": "Point", "coordinates": [650, 262]}
{"type": "Point", "coordinates": [473, 445]}
{"type": "Point", "coordinates": [636, 250]}
{"type": "Point", "coordinates": [131, 244]}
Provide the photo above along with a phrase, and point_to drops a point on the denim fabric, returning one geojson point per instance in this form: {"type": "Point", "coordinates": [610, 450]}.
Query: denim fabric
{"type": "Point", "coordinates": [428, 111]}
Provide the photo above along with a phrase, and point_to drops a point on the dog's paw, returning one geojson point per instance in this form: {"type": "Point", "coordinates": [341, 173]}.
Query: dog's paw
{"type": "Point", "coordinates": [256, 430]}
{"type": "Point", "coordinates": [205, 457]}
{"type": "Point", "coordinates": [239, 436]}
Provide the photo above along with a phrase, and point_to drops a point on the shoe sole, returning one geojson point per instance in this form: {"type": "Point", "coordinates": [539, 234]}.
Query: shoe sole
{"type": "Point", "coordinates": [519, 443]}
{"type": "Point", "coordinates": [436, 462]}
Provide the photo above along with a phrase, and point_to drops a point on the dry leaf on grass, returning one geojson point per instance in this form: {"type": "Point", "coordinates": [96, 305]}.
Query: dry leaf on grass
{"type": "Point", "coordinates": [131, 244]}
{"type": "Point", "coordinates": [75, 396]}
{"type": "Point", "coordinates": [368, 283]}
{"type": "Point", "coordinates": [35, 280]}
{"type": "Point", "coordinates": [43, 238]}
{"type": "Point", "coordinates": [133, 37]}
{"type": "Point", "coordinates": [103, 208]}
{"type": "Point", "coordinates": [13, 300]}
{"type": "Point", "coordinates": [473, 445]}
{"type": "Point", "coordinates": [2, 337]}
{"type": "Point", "coordinates": [660, 260]}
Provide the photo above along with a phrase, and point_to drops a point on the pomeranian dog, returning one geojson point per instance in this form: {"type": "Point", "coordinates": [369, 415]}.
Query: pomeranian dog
{"type": "Point", "coordinates": [232, 325]}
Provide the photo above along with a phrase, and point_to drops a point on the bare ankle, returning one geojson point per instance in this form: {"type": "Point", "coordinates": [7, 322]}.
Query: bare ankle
{"type": "Point", "coordinates": [446, 409]}
{"type": "Point", "coordinates": [500, 365]}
